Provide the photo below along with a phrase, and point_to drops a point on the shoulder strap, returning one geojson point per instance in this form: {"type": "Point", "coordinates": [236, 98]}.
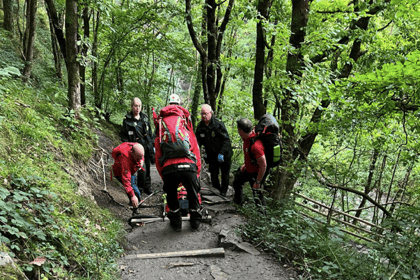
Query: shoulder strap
{"type": "Point", "coordinates": [253, 140]}
{"type": "Point", "coordinates": [177, 131]}
{"type": "Point", "coordinates": [164, 126]}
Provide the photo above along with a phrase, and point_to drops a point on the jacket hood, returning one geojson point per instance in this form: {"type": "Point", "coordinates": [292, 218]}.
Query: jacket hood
{"type": "Point", "coordinates": [130, 114]}
{"type": "Point", "coordinates": [174, 110]}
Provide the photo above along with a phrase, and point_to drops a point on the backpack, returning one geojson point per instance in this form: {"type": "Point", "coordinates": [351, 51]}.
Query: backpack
{"type": "Point", "coordinates": [173, 133]}
{"type": "Point", "coordinates": [267, 131]}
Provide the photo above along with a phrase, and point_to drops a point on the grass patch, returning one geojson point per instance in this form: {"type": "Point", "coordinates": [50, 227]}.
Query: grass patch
{"type": "Point", "coordinates": [41, 217]}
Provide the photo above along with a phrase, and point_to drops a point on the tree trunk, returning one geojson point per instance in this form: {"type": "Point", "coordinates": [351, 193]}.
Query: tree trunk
{"type": "Point", "coordinates": [196, 98]}
{"type": "Point", "coordinates": [150, 81]}
{"type": "Point", "coordinates": [368, 186]}
{"type": "Point", "coordinates": [257, 90]}
{"type": "Point", "coordinates": [210, 56]}
{"type": "Point", "coordinates": [84, 53]}
{"type": "Point", "coordinates": [199, 47]}
{"type": "Point", "coordinates": [8, 15]}
{"type": "Point", "coordinates": [55, 50]}
{"type": "Point", "coordinates": [72, 51]}
{"type": "Point", "coordinates": [29, 37]}
{"type": "Point", "coordinates": [211, 51]}
{"type": "Point", "coordinates": [58, 27]}
{"type": "Point", "coordinates": [95, 89]}
{"type": "Point", "coordinates": [225, 77]}
{"type": "Point", "coordinates": [204, 59]}
{"type": "Point", "coordinates": [290, 108]}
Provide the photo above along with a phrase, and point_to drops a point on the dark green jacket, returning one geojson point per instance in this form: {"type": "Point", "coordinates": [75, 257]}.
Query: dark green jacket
{"type": "Point", "coordinates": [139, 131]}
{"type": "Point", "coordinates": [214, 138]}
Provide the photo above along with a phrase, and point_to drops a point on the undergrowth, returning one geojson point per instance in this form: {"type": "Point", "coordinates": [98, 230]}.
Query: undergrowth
{"type": "Point", "coordinates": [318, 251]}
{"type": "Point", "coordinates": [49, 231]}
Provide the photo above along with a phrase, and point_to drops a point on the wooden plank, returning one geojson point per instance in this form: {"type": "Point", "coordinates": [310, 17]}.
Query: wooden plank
{"type": "Point", "coordinates": [215, 193]}
{"type": "Point", "coordinates": [216, 202]}
{"type": "Point", "coordinates": [164, 219]}
{"type": "Point", "coordinates": [216, 252]}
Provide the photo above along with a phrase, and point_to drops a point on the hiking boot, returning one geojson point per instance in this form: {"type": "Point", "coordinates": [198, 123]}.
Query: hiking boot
{"type": "Point", "coordinates": [238, 201]}
{"type": "Point", "coordinates": [175, 219]}
{"type": "Point", "coordinates": [238, 196]}
{"type": "Point", "coordinates": [195, 219]}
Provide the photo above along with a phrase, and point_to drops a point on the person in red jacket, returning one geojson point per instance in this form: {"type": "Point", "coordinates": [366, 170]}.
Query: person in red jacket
{"type": "Point", "coordinates": [254, 170]}
{"type": "Point", "coordinates": [129, 158]}
{"type": "Point", "coordinates": [176, 168]}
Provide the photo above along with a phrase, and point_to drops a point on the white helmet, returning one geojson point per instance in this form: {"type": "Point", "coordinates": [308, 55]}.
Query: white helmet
{"type": "Point", "coordinates": [174, 99]}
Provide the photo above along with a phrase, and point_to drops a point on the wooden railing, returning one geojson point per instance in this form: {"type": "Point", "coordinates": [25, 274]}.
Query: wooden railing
{"type": "Point", "coordinates": [332, 211]}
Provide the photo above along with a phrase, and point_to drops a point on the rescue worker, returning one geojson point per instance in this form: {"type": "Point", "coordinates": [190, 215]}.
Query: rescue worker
{"type": "Point", "coordinates": [128, 159]}
{"type": "Point", "coordinates": [212, 134]}
{"type": "Point", "coordinates": [178, 167]}
{"type": "Point", "coordinates": [136, 128]}
{"type": "Point", "coordinates": [254, 170]}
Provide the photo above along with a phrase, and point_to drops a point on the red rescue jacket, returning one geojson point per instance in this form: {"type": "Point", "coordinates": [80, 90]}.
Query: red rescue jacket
{"type": "Point", "coordinates": [125, 166]}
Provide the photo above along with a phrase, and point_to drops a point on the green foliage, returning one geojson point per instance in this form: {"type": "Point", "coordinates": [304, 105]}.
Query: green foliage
{"type": "Point", "coordinates": [9, 72]}
{"type": "Point", "coordinates": [401, 251]}
{"type": "Point", "coordinates": [32, 225]}
{"type": "Point", "coordinates": [9, 56]}
{"type": "Point", "coordinates": [41, 216]}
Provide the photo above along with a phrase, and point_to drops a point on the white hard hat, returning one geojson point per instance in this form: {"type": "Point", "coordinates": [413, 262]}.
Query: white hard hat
{"type": "Point", "coordinates": [174, 99]}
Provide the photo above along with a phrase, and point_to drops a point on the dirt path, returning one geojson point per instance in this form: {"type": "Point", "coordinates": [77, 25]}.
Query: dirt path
{"type": "Point", "coordinates": [240, 259]}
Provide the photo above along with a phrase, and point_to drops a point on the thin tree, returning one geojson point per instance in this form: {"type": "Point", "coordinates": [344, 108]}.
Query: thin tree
{"type": "Point", "coordinates": [8, 15]}
{"type": "Point", "coordinates": [95, 86]}
{"type": "Point", "coordinates": [210, 56]}
{"type": "Point", "coordinates": [72, 52]}
{"type": "Point", "coordinates": [85, 48]}
{"type": "Point", "coordinates": [54, 46]}
{"type": "Point", "coordinates": [260, 61]}
{"type": "Point", "coordinates": [58, 27]}
{"type": "Point", "coordinates": [29, 37]}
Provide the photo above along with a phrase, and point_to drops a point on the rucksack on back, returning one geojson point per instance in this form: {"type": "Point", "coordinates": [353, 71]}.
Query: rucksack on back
{"type": "Point", "coordinates": [267, 131]}
{"type": "Point", "coordinates": [174, 137]}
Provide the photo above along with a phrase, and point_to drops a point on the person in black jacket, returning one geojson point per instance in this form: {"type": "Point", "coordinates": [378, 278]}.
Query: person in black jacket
{"type": "Point", "coordinates": [136, 128]}
{"type": "Point", "coordinates": [212, 134]}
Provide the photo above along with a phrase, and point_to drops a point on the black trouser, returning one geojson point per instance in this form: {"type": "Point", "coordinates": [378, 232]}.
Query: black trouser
{"type": "Point", "coordinates": [224, 167]}
{"type": "Point", "coordinates": [241, 178]}
{"type": "Point", "coordinates": [144, 181]}
{"type": "Point", "coordinates": [189, 180]}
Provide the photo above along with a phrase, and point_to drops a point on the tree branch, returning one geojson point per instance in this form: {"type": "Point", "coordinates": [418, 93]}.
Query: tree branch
{"type": "Point", "coordinates": [324, 181]}
{"type": "Point", "coordinates": [191, 30]}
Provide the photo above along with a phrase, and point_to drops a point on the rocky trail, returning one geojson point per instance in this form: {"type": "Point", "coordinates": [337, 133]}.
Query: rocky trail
{"type": "Point", "coordinates": [155, 251]}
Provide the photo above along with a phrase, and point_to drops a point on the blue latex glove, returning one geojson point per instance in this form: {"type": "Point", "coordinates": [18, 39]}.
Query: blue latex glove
{"type": "Point", "coordinates": [220, 158]}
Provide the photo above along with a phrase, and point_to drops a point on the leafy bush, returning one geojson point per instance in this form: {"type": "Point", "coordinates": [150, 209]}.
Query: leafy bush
{"type": "Point", "coordinates": [36, 231]}
{"type": "Point", "coordinates": [323, 252]}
